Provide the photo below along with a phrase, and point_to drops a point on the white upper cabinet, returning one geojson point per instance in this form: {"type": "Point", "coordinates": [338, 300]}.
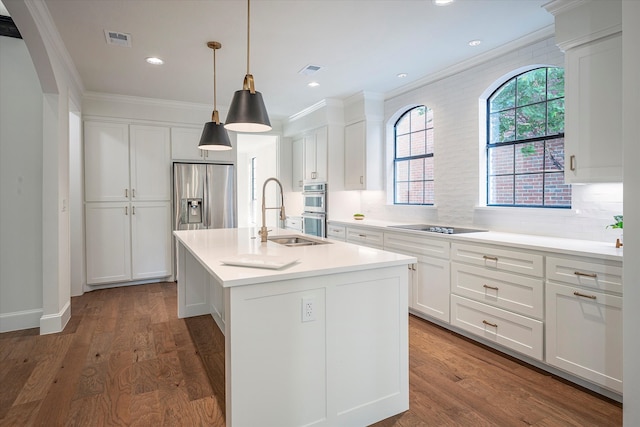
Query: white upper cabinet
{"type": "Point", "coordinates": [126, 163]}
{"type": "Point", "coordinates": [593, 112]}
{"type": "Point", "coordinates": [297, 154]}
{"type": "Point", "coordinates": [106, 155]}
{"type": "Point", "coordinates": [184, 146]}
{"type": "Point", "coordinates": [150, 157]}
{"type": "Point", "coordinates": [590, 35]}
{"type": "Point", "coordinates": [315, 155]}
{"type": "Point", "coordinates": [354, 156]}
{"type": "Point", "coordinates": [363, 142]}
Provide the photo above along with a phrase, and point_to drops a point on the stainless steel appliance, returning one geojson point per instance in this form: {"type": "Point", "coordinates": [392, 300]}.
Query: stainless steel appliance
{"type": "Point", "coordinates": [315, 197]}
{"type": "Point", "coordinates": [314, 217]}
{"type": "Point", "coordinates": [437, 228]}
{"type": "Point", "coordinates": [204, 196]}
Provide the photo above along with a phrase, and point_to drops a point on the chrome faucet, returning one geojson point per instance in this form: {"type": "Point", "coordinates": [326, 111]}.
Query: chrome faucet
{"type": "Point", "coordinates": [263, 230]}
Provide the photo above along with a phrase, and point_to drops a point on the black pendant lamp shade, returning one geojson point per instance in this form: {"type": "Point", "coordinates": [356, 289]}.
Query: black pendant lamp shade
{"type": "Point", "coordinates": [247, 112]}
{"type": "Point", "coordinates": [214, 135]}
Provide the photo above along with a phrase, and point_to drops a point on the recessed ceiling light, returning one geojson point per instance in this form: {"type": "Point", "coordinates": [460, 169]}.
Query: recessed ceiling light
{"type": "Point", "coordinates": [154, 61]}
{"type": "Point", "coordinates": [442, 2]}
{"type": "Point", "coordinates": [401, 75]}
{"type": "Point", "coordinates": [313, 84]}
{"type": "Point", "coordinates": [475, 42]}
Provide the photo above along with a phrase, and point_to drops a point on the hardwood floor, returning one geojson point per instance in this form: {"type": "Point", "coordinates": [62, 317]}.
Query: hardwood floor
{"type": "Point", "coordinates": [126, 359]}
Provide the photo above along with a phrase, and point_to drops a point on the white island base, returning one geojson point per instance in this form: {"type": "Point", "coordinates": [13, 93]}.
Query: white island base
{"type": "Point", "coordinates": [345, 366]}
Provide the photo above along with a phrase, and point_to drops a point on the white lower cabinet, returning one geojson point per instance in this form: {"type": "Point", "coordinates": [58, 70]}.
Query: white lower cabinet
{"type": "Point", "coordinates": [150, 240]}
{"type": "Point", "coordinates": [520, 333]}
{"type": "Point", "coordinates": [429, 277]}
{"type": "Point", "coordinates": [497, 294]}
{"type": "Point", "coordinates": [127, 241]}
{"type": "Point", "coordinates": [108, 241]}
{"type": "Point", "coordinates": [583, 322]}
{"type": "Point", "coordinates": [365, 237]}
{"type": "Point", "coordinates": [336, 232]}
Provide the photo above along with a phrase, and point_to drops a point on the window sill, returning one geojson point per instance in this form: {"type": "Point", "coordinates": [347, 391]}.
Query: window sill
{"type": "Point", "coordinates": [552, 212]}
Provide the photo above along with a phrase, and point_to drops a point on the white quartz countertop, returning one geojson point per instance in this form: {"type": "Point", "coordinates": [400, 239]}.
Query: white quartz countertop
{"type": "Point", "coordinates": [212, 246]}
{"type": "Point", "coordinates": [601, 250]}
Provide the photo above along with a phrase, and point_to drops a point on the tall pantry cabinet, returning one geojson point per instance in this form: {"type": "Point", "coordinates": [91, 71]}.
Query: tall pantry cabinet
{"type": "Point", "coordinates": [127, 202]}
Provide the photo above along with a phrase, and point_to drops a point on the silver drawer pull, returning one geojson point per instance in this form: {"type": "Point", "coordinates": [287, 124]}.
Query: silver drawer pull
{"type": "Point", "coordinates": [579, 273]}
{"type": "Point", "coordinates": [490, 324]}
{"type": "Point", "coordinates": [362, 235]}
{"type": "Point", "coordinates": [578, 294]}
{"type": "Point", "coordinates": [490, 258]}
{"type": "Point", "coordinates": [495, 288]}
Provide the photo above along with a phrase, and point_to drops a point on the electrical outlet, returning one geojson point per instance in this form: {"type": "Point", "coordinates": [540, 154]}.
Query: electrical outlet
{"type": "Point", "coordinates": [308, 309]}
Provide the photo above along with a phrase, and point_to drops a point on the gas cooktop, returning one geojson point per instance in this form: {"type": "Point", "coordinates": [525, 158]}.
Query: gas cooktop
{"type": "Point", "coordinates": [437, 229]}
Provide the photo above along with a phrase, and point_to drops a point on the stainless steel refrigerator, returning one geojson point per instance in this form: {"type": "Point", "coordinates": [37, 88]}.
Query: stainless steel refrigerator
{"type": "Point", "coordinates": [204, 196]}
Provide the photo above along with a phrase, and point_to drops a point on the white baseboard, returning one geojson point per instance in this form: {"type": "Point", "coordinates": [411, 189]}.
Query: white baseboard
{"type": "Point", "coordinates": [52, 323]}
{"type": "Point", "coordinates": [19, 320]}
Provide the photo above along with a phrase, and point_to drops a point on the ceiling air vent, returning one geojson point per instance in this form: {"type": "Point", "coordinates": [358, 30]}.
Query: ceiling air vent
{"type": "Point", "coordinates": [119, 39]}
{"type": "Point", "coordinates": [310, 70]}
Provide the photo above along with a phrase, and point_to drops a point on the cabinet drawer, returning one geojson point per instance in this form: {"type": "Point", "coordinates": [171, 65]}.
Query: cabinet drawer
{"type": "Point", "coordinates": [416, 245]}
{"type": "Point", "coordinates": [588, 272]}
{"type": "Point", "coordinates": [510, 330]}
{"type": "Point", "coordinates": [293, 223]}
{"type": "Point", "coordinates": [498, 258]}
{"type": "Point", "coordinates": [365, 237]}
{"type": "Point", "coordinates": [523, 295]}
{"type": "Point", "coordinates": [584, 334]}
{"type": "Point", "coordinates": [337, 232]}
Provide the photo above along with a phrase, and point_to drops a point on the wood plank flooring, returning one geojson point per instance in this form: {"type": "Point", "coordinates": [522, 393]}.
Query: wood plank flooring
{"type": "Point", "coordinates": [125, 359]}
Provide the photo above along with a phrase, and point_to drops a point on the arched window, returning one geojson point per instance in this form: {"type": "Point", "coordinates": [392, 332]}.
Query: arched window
{"type": "Point", "coordinates": [525, 141]}
{"type": "Point", "coordinates": [413, 158]}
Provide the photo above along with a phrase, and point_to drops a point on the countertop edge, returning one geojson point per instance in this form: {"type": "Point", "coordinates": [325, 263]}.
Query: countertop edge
{"type": "Point", "coordinates": [561, 245]}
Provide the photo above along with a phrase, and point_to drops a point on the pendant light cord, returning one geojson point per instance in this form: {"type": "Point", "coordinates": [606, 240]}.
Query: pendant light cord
{"type": "Point", "coordinates": [248, 32]}
{"type": "Point", "coordinates": [214, 81]}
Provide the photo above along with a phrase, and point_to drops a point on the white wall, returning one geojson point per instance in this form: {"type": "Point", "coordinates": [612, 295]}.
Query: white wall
{"type": "Point", "coordinates": [265, 149]}
{"type": "Point", "coordinates": [20, 188]}
{"type": "Point", "coordinates": [459, 162]}
{"type": "Point", "coordinates": [631, 111]}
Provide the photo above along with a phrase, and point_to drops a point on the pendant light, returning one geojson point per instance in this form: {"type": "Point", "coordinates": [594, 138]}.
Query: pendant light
{"type": "Point", "coordinates": [214, 135]}
{"type": "Point", "coordinates": [247, 112]}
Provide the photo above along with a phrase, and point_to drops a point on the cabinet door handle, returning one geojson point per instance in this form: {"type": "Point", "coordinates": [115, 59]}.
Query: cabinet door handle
{"type": "Point", "coordinates": [126, 210]}
{"type": "Point", "coordinates": [495, 325]}
{"type": "Point", "coordinates": [490, 258]}
{"type": "Point", "coordinates": [572, 162]}
{"type": "Point", "coordinates": [313, 175]}
{"type": "Point", "coordinates": [133, 210]}
{"type": "Point", "coordinates": [126, 192]}
{"type": "Point", "coordinates": [578, 294]}
{"type": "Point", "coordinates": [495, 288]}
{"type": "Point", "coordinates": [133, 192]}
{"type": "Point", "coordinates": [361, 180]}
{"type": "Point", "coordinates": [362, 235]}
{"type": "Point", "coordinates": [579, 273]}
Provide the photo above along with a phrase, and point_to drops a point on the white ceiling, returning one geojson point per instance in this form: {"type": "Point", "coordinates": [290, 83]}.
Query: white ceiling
{"type": "Point", "coordinates": [362, 44]}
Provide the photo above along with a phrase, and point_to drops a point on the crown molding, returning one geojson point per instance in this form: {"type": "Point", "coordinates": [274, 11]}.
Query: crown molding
{"type": "Point", "coordinates": [148, 102]}
{"type": "Point", "coordinates": [497, 52]}
{"type": "Point", "coordinates": [556, 7]}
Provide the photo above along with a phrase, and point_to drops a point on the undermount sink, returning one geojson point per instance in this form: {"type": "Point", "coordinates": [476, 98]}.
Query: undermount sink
{"type": "Point", "coordinates": [296, 241]}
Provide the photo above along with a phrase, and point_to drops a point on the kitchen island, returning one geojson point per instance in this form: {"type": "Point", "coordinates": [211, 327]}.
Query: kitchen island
{"type": "Point", "coordinates": [321, 341]}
